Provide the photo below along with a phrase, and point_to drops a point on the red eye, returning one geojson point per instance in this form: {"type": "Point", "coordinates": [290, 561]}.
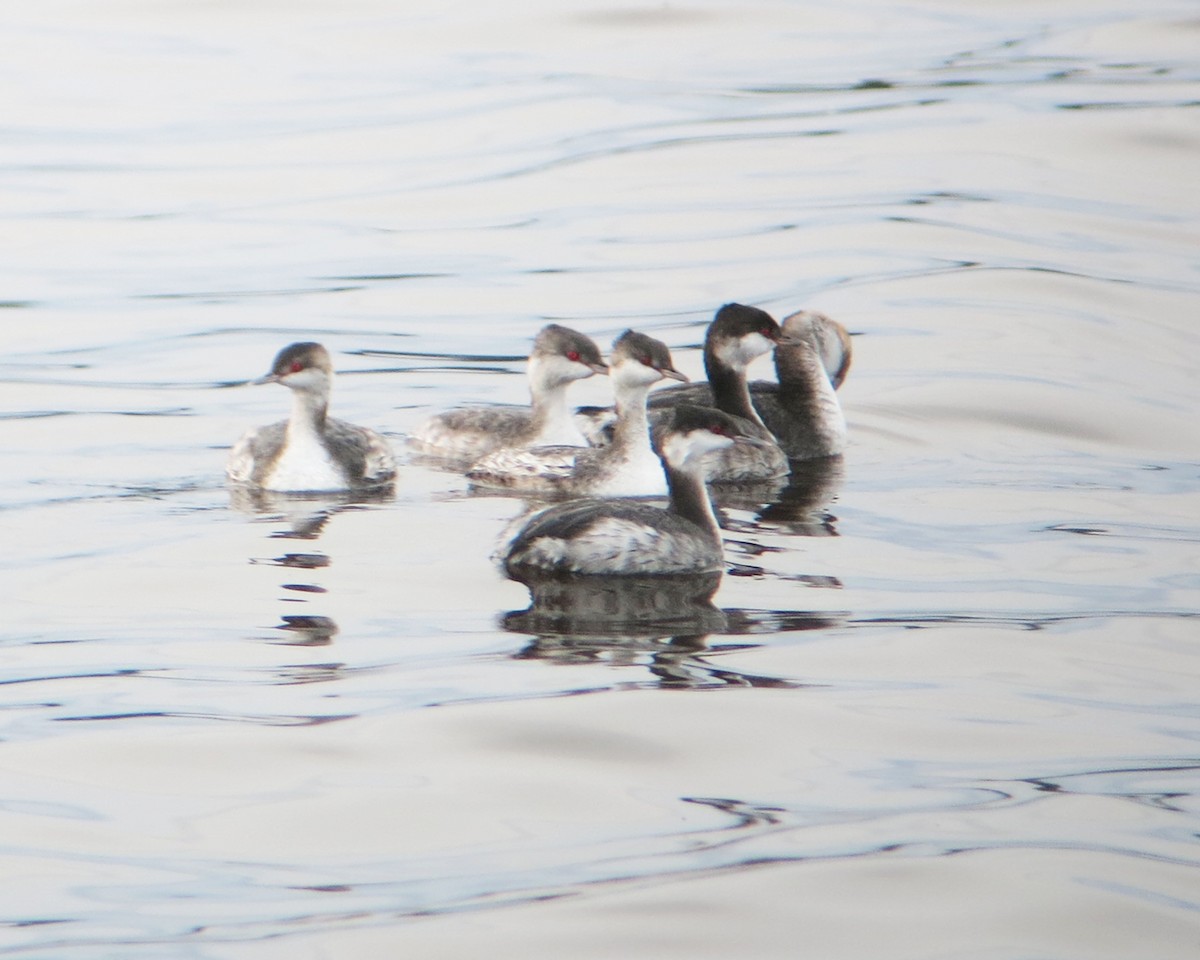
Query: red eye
{"type": "Point", "coordinates": [645, 358]}
{"type": "Point", "coordinates": [296, 367]}
{"type": "Point", "coordinates": [573, 356]}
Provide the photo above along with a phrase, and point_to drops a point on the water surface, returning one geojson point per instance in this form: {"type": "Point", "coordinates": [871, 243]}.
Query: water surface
{"type": "Point", "coordinates": [942, 703]}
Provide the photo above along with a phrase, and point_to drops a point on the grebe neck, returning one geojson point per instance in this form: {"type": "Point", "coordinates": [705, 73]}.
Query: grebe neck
{"type": "Point", "coordinates": [731, 394]}
{"type": "Point", "coordinates": [551, 420]}
{"type": "Point", "coordinates": [632, 428]}
{"type": "Point", "coordinates": [803, 380]}
{"type": "Point", "coordinates": [690, 500]}
{"type": "Point", "coordinates": [310, 410]}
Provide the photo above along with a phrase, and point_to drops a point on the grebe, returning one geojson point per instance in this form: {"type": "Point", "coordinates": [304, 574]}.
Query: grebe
{"type": "Point", "coordinates": [559, 357]}
{"type": "Point", "coordinates": [737, 336]}
{"type": "Point", "coordinates": [829, 338]}
{"type": "Point", "coordinates": [311, 451]}
{"type": "Point", "coordinates": [628, 537]}
{"type": "Point", "coordinates": [802, 410]}
{"type": "Point", "coordinates": [627, 467]}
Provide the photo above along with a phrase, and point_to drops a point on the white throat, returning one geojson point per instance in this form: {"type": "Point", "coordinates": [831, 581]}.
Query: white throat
{"type": "Point", "coordinates": [743, 351]}
{"type": "Point", "coordinates": [304, 464]}
{"type": "Point", "coordinates": [639, 472]}
{"type": "Point", "coordinates": [558, 423]}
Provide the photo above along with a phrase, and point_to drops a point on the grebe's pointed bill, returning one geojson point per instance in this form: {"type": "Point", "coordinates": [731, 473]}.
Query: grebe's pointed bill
{"type": "Point", "coordinates": [555, 343]}
{"type": "Point", "coordinates": [298, 365]}
{"type": "Point", "coordinates": [651, 353]}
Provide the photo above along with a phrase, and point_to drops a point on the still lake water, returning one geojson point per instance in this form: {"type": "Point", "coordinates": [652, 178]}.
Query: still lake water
{"type": "Point", "coordinates": [944, 703]}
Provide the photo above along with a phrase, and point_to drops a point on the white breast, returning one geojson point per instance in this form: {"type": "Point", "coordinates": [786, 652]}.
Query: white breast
{"type": "Point", "coordinates": [640, 476]}
{"type": "Point", "coordinates": [304, 465]}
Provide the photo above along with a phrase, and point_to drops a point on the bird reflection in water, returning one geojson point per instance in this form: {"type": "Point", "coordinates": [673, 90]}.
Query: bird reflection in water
{"type": "Point", "coordinates": [304, 514]}
{"type": "Point", "coordinates": [300, 517]}
{"type": "Point", "coordinates": [802, 507]}
{"type": "Point", "coordinates": [625, 605]}
{"type": "Point", "coordinates": [662, 623]}
{"type": "Point", "coordinates": [306, 631]}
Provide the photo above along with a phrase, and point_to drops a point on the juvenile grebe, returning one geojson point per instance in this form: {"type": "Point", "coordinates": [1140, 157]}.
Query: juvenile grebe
{"type": "Point", "coordinates": [559, 357]}
{"type": "Point", "coordinates": [311, 451]}
{"type": "Point", "coordinates": [802, 410]}
{"type": "Point", "coordinates": [629, 537]}
{"type": "Point", "coordinates": [627, 467]}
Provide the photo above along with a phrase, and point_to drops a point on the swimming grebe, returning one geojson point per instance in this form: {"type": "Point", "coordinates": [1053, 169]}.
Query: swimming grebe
{"type": "Point", "coordinates": [737, 336]}
{"type": "Point", "coordinates": [311, 451]}
{"type": "Point", "coordinates": [627, 467]}
{"type": "Point", "coordinates": [559, 357]}
{"type": "Point", "coordinates": [802, 409]}
{"type": "Point", "coordinates": [628, 537]}
{"type": "Point", "coordinates": [829, 338]}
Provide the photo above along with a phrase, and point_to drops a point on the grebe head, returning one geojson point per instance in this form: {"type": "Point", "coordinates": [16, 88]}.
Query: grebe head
{"type": "Point", "coordinates": [561, 355]}
{"type": "Point", "coordinates": [802, 324]}
{"type": "Point", "coordinates": [740, 334]}
{"type": "Point", "coordinates": [827, 337]}
{"type": "Point", "coordinates": [641, 360]}
{"type": "Point", "coordinates": [691, 433]}
{"type": "Point", "coordinates": [301, 366]}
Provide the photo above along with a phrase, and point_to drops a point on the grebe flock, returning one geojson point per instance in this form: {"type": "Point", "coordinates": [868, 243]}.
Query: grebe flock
{"type": "Point", "coordinates": [668, 442]}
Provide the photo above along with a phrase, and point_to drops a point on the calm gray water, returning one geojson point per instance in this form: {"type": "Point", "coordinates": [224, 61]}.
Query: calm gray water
{"type": "Point", "coordinates": [944, 702]}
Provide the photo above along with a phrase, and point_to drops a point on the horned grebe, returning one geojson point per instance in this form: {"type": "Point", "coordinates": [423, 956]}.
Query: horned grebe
{"type": "Point", "coordinates": [627, 467]}
{"type": "Point", "coordinates": [802, 410]}
{"type": "Point", "coordinates": [559, 357]}
{"type": "Point", "coordinates": [622, 537]}
{"type": "Point", "coordinates": [311, 451]}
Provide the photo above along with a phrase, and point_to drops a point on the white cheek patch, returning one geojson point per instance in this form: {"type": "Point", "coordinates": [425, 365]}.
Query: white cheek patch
{"type": "Point", "coordinates": [687, 451]}
{"type": "Point", "coordinates": [744, 350]}
{"type": "Point", "coordinates": [634, 373]}
{"type": "Point", "coordinates": [675, 449]}
{"type": "Point", "coordinates": [309, 377]}
{"type": "Point", "coordinates": [558, 369]}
